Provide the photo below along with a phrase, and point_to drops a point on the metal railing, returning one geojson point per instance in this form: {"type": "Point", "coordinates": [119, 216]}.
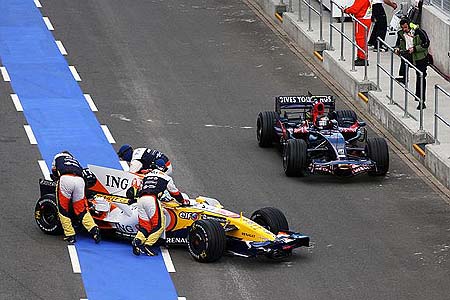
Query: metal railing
{"type": "Point", "coordinates": [351, 40]}
{"type": "Point", "coordinates": [317, 12]}
{"type": "Point", "coordinates": [437, 116]}
{"type": "Point", "coordinates": [391, 75]}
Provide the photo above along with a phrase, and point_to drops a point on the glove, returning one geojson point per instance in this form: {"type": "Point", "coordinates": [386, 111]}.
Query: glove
{"type": "Point", "coordinates": [186, 202]}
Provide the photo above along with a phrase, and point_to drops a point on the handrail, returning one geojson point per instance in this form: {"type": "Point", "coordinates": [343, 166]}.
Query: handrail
{"type": "Point", "coordinates": [438, 117]}
{"type": "Point", "coordinates": [343, 35]}
{"type": "Point", "coordinates": [311, 8]}
{"type": "Point", "coordinates": [391, 75]}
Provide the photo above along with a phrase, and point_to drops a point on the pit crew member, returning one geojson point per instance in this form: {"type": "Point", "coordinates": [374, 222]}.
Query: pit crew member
{"type": "Point", "coordinates": [70, 191]}
{"type": "Point", "coordinates": [143, 159]}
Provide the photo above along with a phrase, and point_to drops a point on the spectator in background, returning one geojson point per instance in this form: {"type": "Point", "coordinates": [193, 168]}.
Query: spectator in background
{"type": "Point", "coordinates": [380, 20]}
{"type": "Point", "coordinates": [412, 43]}
{"type": "Point", "coordinates": [362, 11]}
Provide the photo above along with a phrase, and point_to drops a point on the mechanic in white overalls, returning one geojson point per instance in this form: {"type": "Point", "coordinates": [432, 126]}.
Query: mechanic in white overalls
{"type": "Point", "coordinates": [70, 190]}
{"type": "Point", "coordinates": [151, 215]}
{"type": "Point", "coordinates": [143, 159]}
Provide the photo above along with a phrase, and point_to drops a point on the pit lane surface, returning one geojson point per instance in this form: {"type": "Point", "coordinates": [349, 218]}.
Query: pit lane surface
{"type": "Point", "coordinates": [189, 78]}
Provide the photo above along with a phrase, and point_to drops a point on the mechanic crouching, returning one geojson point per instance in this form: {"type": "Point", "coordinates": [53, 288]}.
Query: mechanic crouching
{"type": "Point", "coordinates": [70, 190]}
{"type": "Point", "coordinates": [150, 213]}
{"type": "Point", "coordinates": [143, 159]}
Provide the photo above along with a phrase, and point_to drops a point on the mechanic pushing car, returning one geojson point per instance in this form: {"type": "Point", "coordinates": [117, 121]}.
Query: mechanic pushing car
{"type": "Point", "coordinates": [70, 189]}
{"type": "Point", "coordinates": [142, 159]}
{"type": "Point", "coordinates": [151, 217]}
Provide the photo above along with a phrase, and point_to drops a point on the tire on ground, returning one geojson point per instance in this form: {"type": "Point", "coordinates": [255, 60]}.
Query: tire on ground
{"type": "Point", "coordinates": [206, 240]}
{"type": "Point", "coordinates": [46, 215]}
{"type": "Point", "coordinates": [377, 150]}
{"type": "Point", "coordinates": [264, 128]}
{"type": "Point", "coordinates": [270, 218]}
{"type": "Point", "coordinates": [295, 157]}
{"type": "Point", "coordinates": [345, 118]}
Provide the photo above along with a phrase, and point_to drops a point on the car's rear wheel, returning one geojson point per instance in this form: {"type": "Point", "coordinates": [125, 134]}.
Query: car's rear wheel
{"type": "Point", "coordinates": [206, 240]}
{"type": "Point", "coordinates": [295, 157]}
{"type": "Point", "coordinates": [271, 218]}
{"type": "Point", "coordinates": [46, 215]}
{"type": "Point", "coordinates": [377, 150]}
{"type": "Point", "coordinates": [265, 132]}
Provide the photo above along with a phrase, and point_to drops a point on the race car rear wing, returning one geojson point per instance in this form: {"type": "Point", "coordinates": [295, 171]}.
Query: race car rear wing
{"type": "Point", "coordinates": [299, 107]}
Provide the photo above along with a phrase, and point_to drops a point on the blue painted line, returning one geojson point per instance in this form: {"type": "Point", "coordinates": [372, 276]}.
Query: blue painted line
{"type": "Point", "coordinates": [61, 119]}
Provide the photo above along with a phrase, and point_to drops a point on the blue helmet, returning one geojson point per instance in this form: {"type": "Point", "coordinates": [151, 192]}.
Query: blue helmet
{"type": "Point", "coordinates": [160, 164]}
{"type": "Point", "coordinates": [125, 152]}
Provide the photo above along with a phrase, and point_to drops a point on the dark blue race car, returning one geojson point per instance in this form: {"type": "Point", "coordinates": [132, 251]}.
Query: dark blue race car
{"type": "Point", "coordinates": [317, 139]}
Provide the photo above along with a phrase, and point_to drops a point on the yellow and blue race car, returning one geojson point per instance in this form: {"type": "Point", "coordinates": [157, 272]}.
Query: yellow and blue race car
{"type": "Point", "coordinates": [205, 227]}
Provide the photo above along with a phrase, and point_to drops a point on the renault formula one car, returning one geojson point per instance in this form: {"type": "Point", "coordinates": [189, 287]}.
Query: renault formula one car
{"type": "Point", "coordinates": [204, 226]}
{"type": "Point", "coordinates": [316, 138]}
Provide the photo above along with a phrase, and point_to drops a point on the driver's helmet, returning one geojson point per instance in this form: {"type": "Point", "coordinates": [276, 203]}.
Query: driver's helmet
{"type": "Point", "coordinates": [125, 152]}
{"type": "Point", "coordinates": [323, 122]}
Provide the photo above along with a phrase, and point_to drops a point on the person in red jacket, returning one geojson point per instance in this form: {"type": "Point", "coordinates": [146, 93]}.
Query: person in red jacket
{"type": "Point", "coordinates": [362, 10]}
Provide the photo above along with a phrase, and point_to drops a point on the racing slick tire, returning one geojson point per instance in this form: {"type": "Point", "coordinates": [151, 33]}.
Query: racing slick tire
{"type": "Point", "coordinates": [46, 215]}
{"type": "Point", "coordinates": [271, 218]}
{"type": "Point", "coordinates": [295, 157]}
{"type": "Point", "coordinates": [206, 241]}
{"type": "Point", "coordinates": [345, 118]}
{"type": "Point", "coordinates": [265, 132]}
{"type": "Point", "coordinates": [377, 150]}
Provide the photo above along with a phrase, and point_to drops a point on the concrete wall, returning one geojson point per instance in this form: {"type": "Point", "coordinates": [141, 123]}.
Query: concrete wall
{"type": "Point", "coordinates": [437, 25]}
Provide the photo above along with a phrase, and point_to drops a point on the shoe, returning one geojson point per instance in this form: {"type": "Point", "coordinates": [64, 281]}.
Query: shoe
{"type": "Point", "coordinates": [400, 79]}
{"type": "Point", "coordinates": [95, 232]}
{"type": "Point", "coordinates": [70, 239]}
{"type": "Point", "coordinates": [381, 49]}
{"type": "Point", "coordinates": [136, 244]}
{"type": "Point", "coordinates": [147, 250]}
{"type": "Point", "coordinates": [360, 62]}
{"type": "Point", "coordinates": [423, 106]}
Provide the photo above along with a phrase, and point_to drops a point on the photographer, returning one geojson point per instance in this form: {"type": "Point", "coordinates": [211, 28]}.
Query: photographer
{"type": "Point", "coordinates": [412, 44]}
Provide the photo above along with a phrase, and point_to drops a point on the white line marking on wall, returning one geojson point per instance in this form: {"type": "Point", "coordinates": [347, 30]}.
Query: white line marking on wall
{"type": "Point", "coordinates": [48, 23]}
{"type": "Point", "coordinates": [16, 102]}
{"type": "Point", "coordinates": [38, 4]}
{"type": "Point", "coordinates": [124, 165]}
{"type": "Point", "coordinates": [167, 260]}
{"type": "Point", "coordinates": [30, 134]}
{"type": "Point", "coordinates": [75, 73]}
{"type": "Point", "coordinates": [61, 47]}
{"type": "Point", "coordinates": [44, 169]}
{"type": "Point", "coordinates": [74, 259]}
{"type": "Point", "coordinates": [108, 134]}
{"type": "Point", "coordinates": [5, 74]}
{"type": "Point", "coordinates": [90, 102]}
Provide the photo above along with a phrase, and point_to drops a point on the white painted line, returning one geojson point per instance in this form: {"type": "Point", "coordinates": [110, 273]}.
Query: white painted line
{"type": "Point", "coordinates": [61, 47]}
{"type": "Point", "coordinates": [30, 134]}
{"type": "Point", "coordinates": [75, 73]}
{"type": "Point", "coordinates": [5, 74]}
{"type": "Point", "coordinates": [38, 4]}
{"type": "Point", "coordinates": [16, 102]}
{"type": "Point", "coordinates": [124, 165]}
{"type": "Point", "coordinates": [90, 102]}
{"type": "Point", "coordinates": [48, 23]}
{"type": "Point", "coordinates": [44, 169]}
{"type": "Point", "coordinates": [181, 298]}
{"type": "Point", "coordinates": [74, 259]}
{"type": "Point", "coordinates": [108, 134]}
{"type": "Point", "coordinates": [167, 260]}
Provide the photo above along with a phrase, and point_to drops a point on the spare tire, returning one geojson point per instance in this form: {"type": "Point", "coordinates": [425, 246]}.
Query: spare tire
{"type": "Point", "coordinates": [271, 218]}
{"type": "Point", "coordinates": [265, 132]}
{"type": "Point", "coordinates": [295, 157]}
{"type": "Point", "coordinates": [377, 150]}
{"type": "Point", "coordinates": [46, 215]}
{"type": "Point", "coordinates": [206, 240]}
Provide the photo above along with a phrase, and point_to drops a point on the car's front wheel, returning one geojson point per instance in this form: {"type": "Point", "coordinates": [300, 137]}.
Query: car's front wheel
{"type": "Point", "coordinates": [377, 150]}
{"type": "Point", "coordinates": [206, 240]}
{"type": "Point", "coordinates": [270, 218]}
{"type": "Point", "coordinates": [295, 157]}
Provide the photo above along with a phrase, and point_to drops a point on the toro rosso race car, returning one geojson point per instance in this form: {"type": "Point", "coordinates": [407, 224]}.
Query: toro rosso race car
{"type": "Point", "coordinates": [204, 226]}
{"type": "Point", "coordinates": [317, 139]}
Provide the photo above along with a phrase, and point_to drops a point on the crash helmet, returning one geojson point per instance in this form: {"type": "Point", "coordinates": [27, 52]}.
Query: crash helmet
{"type": "Point", "coordinates": [323, 122]}
{"type": "Point", "coordinates": [67, 153]}
{"type": "Point", "coordinates": [160, 164]}
{"type": "Point", "coordinates": [125, 152]}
